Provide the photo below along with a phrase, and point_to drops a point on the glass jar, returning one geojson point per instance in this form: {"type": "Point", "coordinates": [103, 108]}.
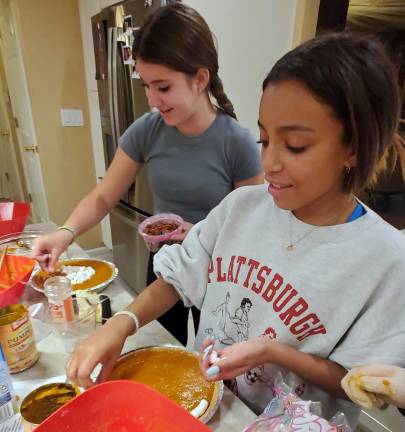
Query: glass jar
{"type": "Point", "coordinates": [58, 289]}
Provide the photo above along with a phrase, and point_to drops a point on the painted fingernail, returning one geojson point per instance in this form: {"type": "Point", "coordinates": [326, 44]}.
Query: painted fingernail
{"type": "Point", "coordinates": [206, 351]}
{"type": "Point", "coordinates": [213, 370]}
{"type": "Point", "coordinates": [214, 357]}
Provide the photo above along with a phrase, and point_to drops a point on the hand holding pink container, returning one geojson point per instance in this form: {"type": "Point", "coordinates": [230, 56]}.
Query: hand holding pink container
{"type": "Point", "coordinates": [159, 229]}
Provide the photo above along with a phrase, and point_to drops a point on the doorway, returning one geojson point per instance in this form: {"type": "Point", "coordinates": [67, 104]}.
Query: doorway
{"type": "Point", "coordinates": [23, 159]}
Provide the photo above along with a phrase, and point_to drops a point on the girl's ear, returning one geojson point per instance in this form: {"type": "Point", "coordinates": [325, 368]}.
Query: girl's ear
{"type": "Point", "coordinates": [201, 79]}
{"type": "Point", "coordinates": [351, 160]}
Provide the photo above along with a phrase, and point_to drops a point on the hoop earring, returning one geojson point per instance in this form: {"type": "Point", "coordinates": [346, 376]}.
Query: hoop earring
{"type": "Point", "coordinates": [348, 170]}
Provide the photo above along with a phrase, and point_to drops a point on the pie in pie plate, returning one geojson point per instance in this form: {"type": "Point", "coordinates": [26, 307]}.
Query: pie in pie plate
{"type": "Point", "coordinates": [174, 372]}
{"type": "Point", "coordinates": [85, 274]}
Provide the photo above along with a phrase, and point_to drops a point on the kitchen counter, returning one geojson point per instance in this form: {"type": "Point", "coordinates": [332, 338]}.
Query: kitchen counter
{"type": "Point", "coordinates": [232, 415]}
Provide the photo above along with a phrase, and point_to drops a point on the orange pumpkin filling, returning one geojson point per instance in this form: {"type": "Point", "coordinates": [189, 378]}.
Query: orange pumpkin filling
{"type": "Point", "coordinates": [172, 372]}
{"type": "Point", "coordinates": [103, 273]}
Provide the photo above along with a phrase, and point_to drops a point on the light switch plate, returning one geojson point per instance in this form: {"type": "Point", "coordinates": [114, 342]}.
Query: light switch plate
{"type": "Point", "coordinates": [71, 117]}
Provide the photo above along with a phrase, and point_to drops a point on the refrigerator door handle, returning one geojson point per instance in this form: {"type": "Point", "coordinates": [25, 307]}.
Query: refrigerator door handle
{"type": "Point", "coordinates": [115, 84]}
{"type": "Point", "coordinates": [111, 79]}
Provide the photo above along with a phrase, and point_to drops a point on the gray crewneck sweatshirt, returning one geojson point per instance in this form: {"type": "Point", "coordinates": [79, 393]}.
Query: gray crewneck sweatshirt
{"type": "Point", "coordinates": [339, 294]}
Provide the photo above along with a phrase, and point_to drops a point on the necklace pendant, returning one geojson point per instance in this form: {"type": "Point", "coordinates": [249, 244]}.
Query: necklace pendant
{"type": "Point", "coordinates": [290, 247]}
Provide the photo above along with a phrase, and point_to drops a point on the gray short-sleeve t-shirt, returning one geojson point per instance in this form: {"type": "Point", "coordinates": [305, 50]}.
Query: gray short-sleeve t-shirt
{"type": "Point", "coordinates": [191, 175]}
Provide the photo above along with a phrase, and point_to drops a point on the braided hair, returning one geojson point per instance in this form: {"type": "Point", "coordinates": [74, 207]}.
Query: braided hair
{"type": "Point", "coordinates": [177, 36]}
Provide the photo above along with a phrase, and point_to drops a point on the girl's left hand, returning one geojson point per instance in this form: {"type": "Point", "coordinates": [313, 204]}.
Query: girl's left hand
{"type": "Point", "coordinates": [234, 360]}
{"type": "Point", "coordinates": [186, 227]}
{"type": "Point", "coordinates": [373, 385]}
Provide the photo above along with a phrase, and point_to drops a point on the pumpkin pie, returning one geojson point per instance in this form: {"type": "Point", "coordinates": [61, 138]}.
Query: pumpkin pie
{"type": "Point", "coordinates": [104, 273]}
{"type": "Point", "coordinates": [175, 373]}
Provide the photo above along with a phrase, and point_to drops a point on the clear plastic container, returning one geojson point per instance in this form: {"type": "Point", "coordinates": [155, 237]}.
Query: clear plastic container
{"type": "Point", "coordinates": [58, 289]}
{"type": "Point", "coordinates": [86, 313]}
{"type": "Point", "coordinates": [7, 399]}
{"type": "Point", "coordinates": [158, 230]}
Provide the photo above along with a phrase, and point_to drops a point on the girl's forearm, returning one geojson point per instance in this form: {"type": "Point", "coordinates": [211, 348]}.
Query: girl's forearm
{"type": "Point", "coordinates": [151, 303]}
{"type": "Point", "coordinates": [89, 212]}
{"type": "Point", "coordinates": [323, 373]}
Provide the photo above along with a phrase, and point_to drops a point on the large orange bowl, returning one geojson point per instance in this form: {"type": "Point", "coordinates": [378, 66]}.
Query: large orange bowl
{"type": "Point", "coordinates": [15, 273]}
{"type": "Point", "coordinates": [13, 217]}
{"type": "Point", "coordinates": [124, 406]}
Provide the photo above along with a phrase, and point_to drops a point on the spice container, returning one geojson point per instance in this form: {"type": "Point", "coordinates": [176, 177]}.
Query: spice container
{"type": "Point", "coordinates": [44, 401]}
{"type": "Point", "coordinates": [17, 338]}
{"type": "Point", "coordinates": [58, 289]}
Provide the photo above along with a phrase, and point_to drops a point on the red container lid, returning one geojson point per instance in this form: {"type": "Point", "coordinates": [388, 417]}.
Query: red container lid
{"type": "Point", "coordinates": [124, 406]}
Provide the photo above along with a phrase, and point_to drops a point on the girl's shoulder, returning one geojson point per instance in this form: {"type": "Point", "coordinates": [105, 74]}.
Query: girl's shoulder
{"type": "Point", "coordinates": [147, 121]}
{"type": "Point", "coordinates": [383, 236]}
{"type": "Point", "coordinates": [145, 128]}
{"type": "Point", "coordinates": [233, 128]}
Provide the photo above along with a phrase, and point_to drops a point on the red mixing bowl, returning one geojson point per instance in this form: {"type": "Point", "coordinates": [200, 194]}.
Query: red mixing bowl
{"type": "Point", "coordinates": [124, 406]}
{"type": "Point", "coordinates": [13, 217]}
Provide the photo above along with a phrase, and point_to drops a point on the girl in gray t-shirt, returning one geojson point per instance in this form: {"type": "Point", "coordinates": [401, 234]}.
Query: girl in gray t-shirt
{"type": "Point", "coordinates": [195, 150]}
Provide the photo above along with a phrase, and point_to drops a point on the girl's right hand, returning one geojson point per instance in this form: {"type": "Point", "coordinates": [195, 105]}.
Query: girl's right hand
{"type": "Point", "coordinates": [102, 346]}
{"type": "Point", "coordinates": [47, 248]}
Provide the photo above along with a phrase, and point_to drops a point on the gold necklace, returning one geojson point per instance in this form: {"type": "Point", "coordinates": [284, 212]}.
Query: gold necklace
{"type": "Point", "coordinates": [290, 246]}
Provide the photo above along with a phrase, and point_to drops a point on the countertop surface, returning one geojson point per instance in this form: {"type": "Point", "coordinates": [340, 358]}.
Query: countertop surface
{"type": "Point", "coordinates": [232, 415]}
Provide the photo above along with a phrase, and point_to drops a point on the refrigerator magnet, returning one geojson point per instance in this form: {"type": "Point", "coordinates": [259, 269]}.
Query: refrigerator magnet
{"type": "Point", "coordinates": [127, 55]}
{"type": "Point", "coordinates": [127, 25]}
{"type": "Point", "coordinates": [135, 74]}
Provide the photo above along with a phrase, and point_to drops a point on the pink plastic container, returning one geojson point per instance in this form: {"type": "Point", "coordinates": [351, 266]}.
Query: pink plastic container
{"type": "Point", "coordinates": [13, 217]}
{"type": "Point", "coordinates": [160, 223]}
{"type": "Point", "coordinates": [121, 406]}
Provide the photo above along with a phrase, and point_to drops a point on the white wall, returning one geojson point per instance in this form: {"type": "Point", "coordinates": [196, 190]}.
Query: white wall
{"type": "Point", "coordinates": [251, 36]}
{"type": "Point", "coordinates": [87, 9]}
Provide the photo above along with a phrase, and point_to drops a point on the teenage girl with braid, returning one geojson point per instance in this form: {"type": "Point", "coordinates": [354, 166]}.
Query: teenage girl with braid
{"type": "Point", "coordinates": [196, 151]}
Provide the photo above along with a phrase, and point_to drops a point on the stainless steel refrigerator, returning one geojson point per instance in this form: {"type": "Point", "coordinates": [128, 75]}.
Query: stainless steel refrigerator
{"type": "Point", "coordinates": [122, 100]}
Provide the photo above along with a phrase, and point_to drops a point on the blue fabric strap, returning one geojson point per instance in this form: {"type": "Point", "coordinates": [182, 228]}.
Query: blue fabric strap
{"type": "Point", "coordinates": [356, 213]}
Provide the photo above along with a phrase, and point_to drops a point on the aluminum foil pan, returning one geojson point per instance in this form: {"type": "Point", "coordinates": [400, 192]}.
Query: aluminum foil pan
{"type": "Point", "coordinates": [96, 287]}
{"type": "Point", "coordinates": [21, 243]}
{"type": "Point", "coordinates": [218, 389]}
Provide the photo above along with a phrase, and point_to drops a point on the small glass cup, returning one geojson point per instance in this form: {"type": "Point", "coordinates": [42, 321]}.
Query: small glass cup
{"type": "Point", "coordinates": [84, 323]}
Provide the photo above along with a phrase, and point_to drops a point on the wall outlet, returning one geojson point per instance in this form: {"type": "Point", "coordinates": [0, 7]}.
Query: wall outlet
{"type": "Point", "coordinates": [71, 117]}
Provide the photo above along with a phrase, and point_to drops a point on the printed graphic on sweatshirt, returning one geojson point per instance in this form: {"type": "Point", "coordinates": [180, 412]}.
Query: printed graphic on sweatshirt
{"type": "Point", "coordinates": [232, 327]}
{"type": "Point", "coordinates": [259, 376]}
{"type": "Point", "coordinates": [264, 284]}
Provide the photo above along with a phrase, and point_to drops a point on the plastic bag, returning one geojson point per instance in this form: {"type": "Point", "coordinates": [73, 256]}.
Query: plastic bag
{"type": "Point", "coordinates": [286, 412]}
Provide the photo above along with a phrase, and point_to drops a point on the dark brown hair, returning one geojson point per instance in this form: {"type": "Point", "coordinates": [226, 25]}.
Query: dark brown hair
{"type": "Point", "coordinates": [177, 36]}
{"type": "Point", "coordinates": [352, 74]}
